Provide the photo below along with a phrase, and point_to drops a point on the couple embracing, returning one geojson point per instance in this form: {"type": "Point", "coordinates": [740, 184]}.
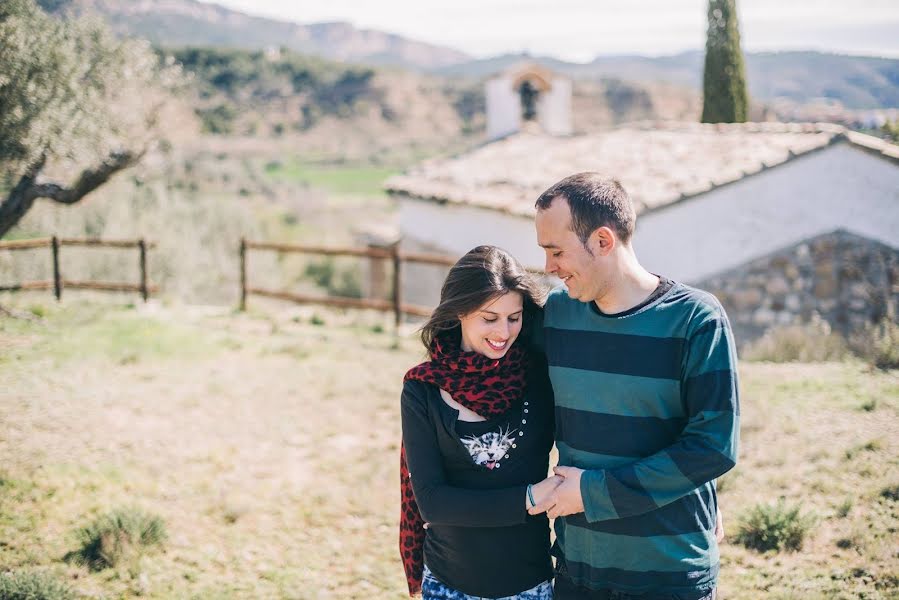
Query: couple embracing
{"type": "Point", "coordinates": [631, 374]}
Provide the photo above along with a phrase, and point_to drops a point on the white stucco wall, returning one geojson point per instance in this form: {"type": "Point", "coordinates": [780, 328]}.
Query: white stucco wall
{"type": "Point", "coordinates": [457, 229]}
{"type": "Point", "coordinates": [554, 108]}
{"type": "Point", "coordinates": [503, 108]}
{"type": "Point", "coordinates": [840, 187]}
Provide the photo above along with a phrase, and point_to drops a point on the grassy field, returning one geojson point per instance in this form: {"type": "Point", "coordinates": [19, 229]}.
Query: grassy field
{"type": "Point", "coordinates": [342, 180]}
{"type": "Point", "coordinates": [268, 444]}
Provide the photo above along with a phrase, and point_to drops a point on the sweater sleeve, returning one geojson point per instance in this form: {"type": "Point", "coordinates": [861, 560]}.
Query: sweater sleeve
{"type": "Point", "coordinates": [704, 450]}
{"type": "Point", "coordinates": [438, 502]}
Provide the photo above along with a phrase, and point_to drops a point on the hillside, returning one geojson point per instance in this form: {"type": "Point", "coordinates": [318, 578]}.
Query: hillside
{"type": "Point", "coordinates": [188, 22]}
{"type": "Point", "coordinates": [366, 112]}
{"type": "Point", "coordinates": [855, 81]}
{"type": "Point", "coordinates": [800, 77]}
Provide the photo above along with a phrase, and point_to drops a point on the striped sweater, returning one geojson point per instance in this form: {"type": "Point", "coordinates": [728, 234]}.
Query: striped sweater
{"type": "Point", "coordinates": [647, 404]}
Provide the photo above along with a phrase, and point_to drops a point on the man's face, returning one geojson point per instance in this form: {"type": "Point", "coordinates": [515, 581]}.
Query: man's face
{"type": "Point", "coordinates": [584, 274]}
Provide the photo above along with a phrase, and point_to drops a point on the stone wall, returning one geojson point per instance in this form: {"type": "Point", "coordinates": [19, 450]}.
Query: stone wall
{"type": "Point", "coordinates": [848, 280]}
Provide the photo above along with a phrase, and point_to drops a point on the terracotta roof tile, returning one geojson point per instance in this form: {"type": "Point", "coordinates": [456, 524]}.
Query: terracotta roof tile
{"type": "Point", "coordinates": [657, 162]}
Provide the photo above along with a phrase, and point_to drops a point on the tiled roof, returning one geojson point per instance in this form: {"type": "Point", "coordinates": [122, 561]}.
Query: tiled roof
{"type": "Point", "coordinates": [658, 163]}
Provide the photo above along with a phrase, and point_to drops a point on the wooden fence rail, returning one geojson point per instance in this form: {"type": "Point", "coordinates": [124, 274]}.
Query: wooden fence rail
{"type": "Point", "coordinates": [395, 304]}
{"type": "Point", "coordinates": [58, 283]}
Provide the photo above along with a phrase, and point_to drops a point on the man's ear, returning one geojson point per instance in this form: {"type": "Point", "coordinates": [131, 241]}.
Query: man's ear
{"type": "Point", "coordinates": [602, 241]}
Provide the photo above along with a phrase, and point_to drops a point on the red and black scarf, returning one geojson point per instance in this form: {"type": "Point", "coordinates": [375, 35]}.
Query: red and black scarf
{"type": "Point", "coordinates": [487, 386]}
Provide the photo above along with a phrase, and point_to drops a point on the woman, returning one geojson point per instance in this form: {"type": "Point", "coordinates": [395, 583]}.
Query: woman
{"type": "Point", "coordinates": [477, 431]}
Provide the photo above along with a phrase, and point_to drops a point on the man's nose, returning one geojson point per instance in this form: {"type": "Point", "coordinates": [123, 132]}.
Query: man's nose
{"type": "Point", "coordinates": [550, 265]}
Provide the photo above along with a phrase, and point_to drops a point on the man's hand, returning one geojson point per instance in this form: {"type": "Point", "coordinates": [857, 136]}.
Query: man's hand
{"type": "Point", "coordinates": [566, 499]}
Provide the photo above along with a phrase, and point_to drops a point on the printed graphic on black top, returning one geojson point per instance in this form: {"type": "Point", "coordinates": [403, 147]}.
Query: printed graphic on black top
{"type": "Point", "coordinates": [491, 447]}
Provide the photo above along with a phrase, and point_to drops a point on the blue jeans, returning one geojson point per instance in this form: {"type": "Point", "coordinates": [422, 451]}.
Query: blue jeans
{"type": "Point", "coordinates": [567, 590]}
{"type": "Point", "coordinates": [434, 589]}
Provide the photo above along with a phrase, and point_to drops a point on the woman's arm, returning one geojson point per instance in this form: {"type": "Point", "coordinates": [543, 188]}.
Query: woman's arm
{"type": "Point", "coordinates": [443, 504]}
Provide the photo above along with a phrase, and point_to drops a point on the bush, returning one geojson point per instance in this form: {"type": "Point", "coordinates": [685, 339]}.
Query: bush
{"type": "Point", "coordinates": [878, 344]}
{"type": "Point", "coordinates": [890, 492]}
{"type": "Point", "coordinates": [343, 282]}
{"type": "Point", "coordinates": [811, 342]}
{"type": "Point", "coordinates": [844, 508]}
{"type": "Point", "coordinates": [774, 527]}
{"type": "Point", "coordinates": [118, 538]}
{"type": "Point", "coordinates": [218, 120]}
{"type": "Point", "coordinates": [33, 586]}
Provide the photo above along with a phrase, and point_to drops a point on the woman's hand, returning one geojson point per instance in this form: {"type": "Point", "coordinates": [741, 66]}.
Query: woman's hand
{"type": "Point", "coordinates": [719, 527]}
{"type": "Point", "coordinates": [543, 489]}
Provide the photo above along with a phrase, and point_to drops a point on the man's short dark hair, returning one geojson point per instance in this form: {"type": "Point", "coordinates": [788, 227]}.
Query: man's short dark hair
{"type": "Point", "coordinates": [595, 201]}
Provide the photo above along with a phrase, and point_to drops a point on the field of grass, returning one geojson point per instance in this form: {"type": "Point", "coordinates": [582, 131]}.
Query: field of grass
{"type": "Point", "coordinates": [268, 444]}
{"type": "Point", "coordinates": [346, 180]}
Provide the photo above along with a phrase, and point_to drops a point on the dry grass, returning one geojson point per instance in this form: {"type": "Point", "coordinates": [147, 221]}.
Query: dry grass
{"type": "Point", "coordinates": [269, 446]}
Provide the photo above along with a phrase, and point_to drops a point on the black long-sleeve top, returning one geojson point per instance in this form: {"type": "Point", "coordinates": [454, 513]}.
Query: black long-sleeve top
{"type": "Point", "coordinates": [480, 539]}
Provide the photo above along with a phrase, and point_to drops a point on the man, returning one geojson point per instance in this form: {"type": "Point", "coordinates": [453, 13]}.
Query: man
{"type": "Point", "coordinates": [647, 413]}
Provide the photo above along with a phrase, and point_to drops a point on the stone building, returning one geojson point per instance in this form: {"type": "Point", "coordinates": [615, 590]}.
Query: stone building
{"type": "Point", "coordinates": [781, 221]}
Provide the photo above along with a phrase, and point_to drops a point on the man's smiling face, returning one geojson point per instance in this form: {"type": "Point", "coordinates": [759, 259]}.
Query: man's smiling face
{"type": "Point", "coordinates": [567, 257]}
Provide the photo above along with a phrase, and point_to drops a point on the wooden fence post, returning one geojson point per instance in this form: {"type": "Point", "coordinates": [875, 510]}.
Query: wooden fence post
{"type": "Point", "coordinates": [144, 292]}
{"type": "Point", "coordinates": [57, 278]}
{"type": "Point", "coordinates": [243, 274]}
{"type": "Point", "coordinates": [397, 286]}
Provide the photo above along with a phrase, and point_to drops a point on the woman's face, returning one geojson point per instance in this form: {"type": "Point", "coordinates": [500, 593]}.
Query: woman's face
{"type": "Point", "coordinates": [493, 328]}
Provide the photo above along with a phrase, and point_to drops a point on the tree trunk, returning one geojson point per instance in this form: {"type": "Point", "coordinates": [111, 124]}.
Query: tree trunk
{"type": "Point", "coordinates": [21, 198]}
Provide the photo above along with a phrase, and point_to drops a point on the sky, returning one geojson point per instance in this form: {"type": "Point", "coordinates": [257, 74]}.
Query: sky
{"type": "Point", "coordinates": [579, 30]}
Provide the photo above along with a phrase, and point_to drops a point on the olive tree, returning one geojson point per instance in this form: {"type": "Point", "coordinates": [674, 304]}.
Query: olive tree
{"type": "Point", "coordinates": [77, 105]}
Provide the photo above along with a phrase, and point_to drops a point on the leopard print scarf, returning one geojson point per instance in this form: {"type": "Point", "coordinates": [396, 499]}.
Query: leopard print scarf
{"type": "Point", "coordinates": [484, 385]}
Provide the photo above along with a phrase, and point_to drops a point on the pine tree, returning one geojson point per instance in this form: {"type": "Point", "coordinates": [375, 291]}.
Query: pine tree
{"type": "Point", "coordinates": [724, 79]}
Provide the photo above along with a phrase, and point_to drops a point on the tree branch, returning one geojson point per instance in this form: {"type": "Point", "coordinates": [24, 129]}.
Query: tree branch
{"type": "Point", "coordinates": [21, 198]}
{"type": "Point", "coordinates": [88, 181]}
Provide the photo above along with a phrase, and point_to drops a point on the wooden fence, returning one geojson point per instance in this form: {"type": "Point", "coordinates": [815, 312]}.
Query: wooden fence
{"type": "Point", "coordinates": [395, 304]}
{"type": "Point", "coordinates": [58, 283]}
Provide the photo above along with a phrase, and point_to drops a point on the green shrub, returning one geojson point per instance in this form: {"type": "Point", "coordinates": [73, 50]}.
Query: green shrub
{"type": "Point", "coordinates": [343, 282]}
{"type": "Point", "coordinates": [774, 527]}
{"type": "Point", "coordinates": [219, 119]}
{"type": "Point", "coordinates": [844, 508]}
{"type": "Point", "coordinates": [33, 586]}
{"type": "Point", "coordinates": [117, 538]}
{"type": "Point", "coordinates": [891, 492]}
{"type": "Point", "coordinates": [811, 342]}
{"type": "Point", "coordinates": [869, 405]}
{"type": "Point", "coordinates": [878, 344]}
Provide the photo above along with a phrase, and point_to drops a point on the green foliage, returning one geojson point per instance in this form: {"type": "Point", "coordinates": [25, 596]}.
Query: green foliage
{"type": "Point", "coordinates": [878, 344]}
{"type": "Point", "coordinates": [71, 90]}
{"type": "Point", "coordinates": [344, 180]}
{"type": "Point", "coordinates": [891, 492]}
{"type": "Point", "coordinates": [235, 78]}
{"type": "Point", "coordinates": [219, 119]}
{"type": "Point", "coordinates": [844, 508]}
{"type": "Point", "coordinates": [890, 131]}
{"type": "Point", "coordinates": [33, 586]}
{"type": "Point", "coordinates": [774, 527]}
{"type": "Point", "coordinates": [118, 538]}
{"type": "Point", "coordinates": [338, 281]}
{"type": "Point", "coordinates": [724, 77]}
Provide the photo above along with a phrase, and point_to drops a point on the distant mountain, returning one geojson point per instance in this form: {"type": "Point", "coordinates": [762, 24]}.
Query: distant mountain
{"type": "Point", "coordinates": [855, 81]}
{"type": "Point", "coordinates": [188, 22]}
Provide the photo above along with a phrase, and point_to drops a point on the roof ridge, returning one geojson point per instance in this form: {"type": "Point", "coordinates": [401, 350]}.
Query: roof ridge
{"type": "Point", "coordinates": [747, 127]}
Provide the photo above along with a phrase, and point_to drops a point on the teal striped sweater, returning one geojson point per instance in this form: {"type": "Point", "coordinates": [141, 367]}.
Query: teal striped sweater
{"type": "Point", "coordinates": [647, 403]}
